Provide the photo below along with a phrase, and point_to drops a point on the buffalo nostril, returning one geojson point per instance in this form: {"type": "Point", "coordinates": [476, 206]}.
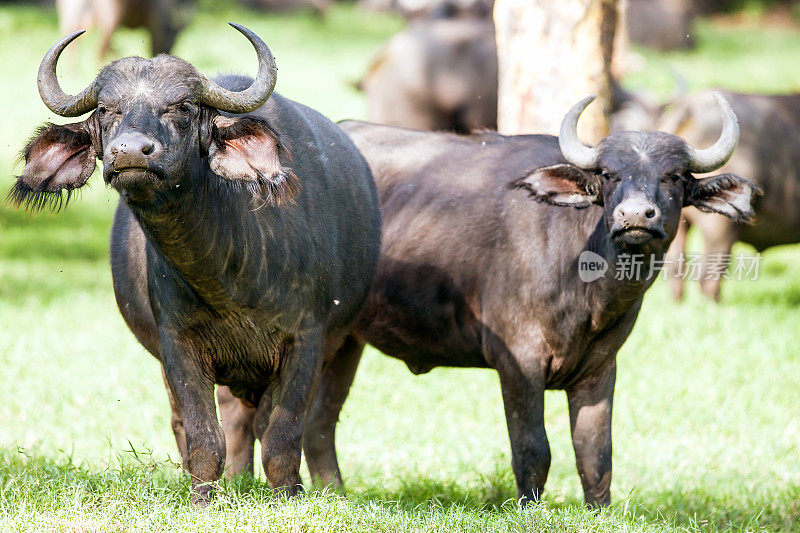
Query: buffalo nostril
{"type": "Point", "coordinates": [147, 149]}
{"type": "Point", "coordinates": [650, 213]}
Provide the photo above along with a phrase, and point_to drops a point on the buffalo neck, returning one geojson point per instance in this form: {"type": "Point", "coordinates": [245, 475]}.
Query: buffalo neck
{"type": "Point", "coordinates": [631, 271]}
{"type": "Point", "coordinates": [213, 234]}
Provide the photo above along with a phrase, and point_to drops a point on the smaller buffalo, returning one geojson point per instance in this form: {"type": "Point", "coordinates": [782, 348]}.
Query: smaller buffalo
{"type": "Point", "coordinates": [436, 75]}
{"type": "Point", "coordinates": [769, 151]}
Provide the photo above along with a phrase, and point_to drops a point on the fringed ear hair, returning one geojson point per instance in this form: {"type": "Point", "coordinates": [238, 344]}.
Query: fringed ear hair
{"type": "Point", "coordinates": [563, 185]}
{"type": "Point", "coordinates": [248, 151]}
{"type": "Point", "coordinates": [726, 194]}
{"type": "Point", "coordinates": [58, 161]}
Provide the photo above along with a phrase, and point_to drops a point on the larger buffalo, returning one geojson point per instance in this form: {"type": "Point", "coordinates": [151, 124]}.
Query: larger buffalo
{"type": "Point", "coordinates": [493, 255]}
{"type": "Point", "coordinates": [243, 245]}
{"type": "Point", "coordinates": [769, 151]}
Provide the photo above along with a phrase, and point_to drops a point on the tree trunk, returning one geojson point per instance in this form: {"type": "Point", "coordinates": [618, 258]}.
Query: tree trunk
{"type": "Point", "coordinates": [551, 55]}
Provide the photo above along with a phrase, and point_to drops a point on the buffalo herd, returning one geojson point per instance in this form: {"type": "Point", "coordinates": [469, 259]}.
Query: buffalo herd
{"type": "Point", "coordinates": [257, 247]}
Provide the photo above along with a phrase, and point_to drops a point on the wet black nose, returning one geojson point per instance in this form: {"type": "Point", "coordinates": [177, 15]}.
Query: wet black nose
{"type": "Point", "coordinates": [133, 150]}
{"type": "Point", "coordinates": [637, 213]}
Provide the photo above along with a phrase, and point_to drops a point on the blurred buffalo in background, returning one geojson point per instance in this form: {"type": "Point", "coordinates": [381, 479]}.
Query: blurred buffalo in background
{"type": "Point", "coordinates": [661, 24]}
{"type": "Point", "coordinates": [432, 9]}
{"type": "Point", "coordinates": [633, 110]}
{"type": "Point", "coordinates": [317, 6]}
{"type": "Point", "coordinates": [163, 19]}
{"type": "Point", "coordinates": [436, 75]}
{"type": "Point", "coordinates": [769, 152]}
{"type": "Point", "coordinates": [638, 110]}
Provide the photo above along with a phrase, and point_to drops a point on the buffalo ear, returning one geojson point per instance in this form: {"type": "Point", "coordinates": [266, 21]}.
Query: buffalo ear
{"type": "Point", "coordinates": [726, 194]}
{"type": "Point", "coordinates": [246, 150]}
{"type": "Point", "coordinates": [563, 185]}
{"type": "Point", "coordinates": [58, 160]}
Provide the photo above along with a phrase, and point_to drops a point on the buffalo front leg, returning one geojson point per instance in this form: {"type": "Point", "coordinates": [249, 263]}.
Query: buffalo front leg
{"type": "Point", "coordinates": [193, 391]}
{"type": "Point", "coordinates": [590, 404]}
{"type": "Point", "coordinates": [319, 436]}
{"type": "Point", "coordinates": [523, 400]}
{"type": "Point", "coordinates": [238, 419]}
{"type": "Point", "coordinates": [176, 422]}
{"type": "Point", "coordinates": [281, 443]}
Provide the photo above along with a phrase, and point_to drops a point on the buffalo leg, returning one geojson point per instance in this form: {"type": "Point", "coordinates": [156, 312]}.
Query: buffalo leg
{"type": "Point", "coordinates": [719, 235]}
{"type": "Point", "coordinates": [675, 260]}
{"type": "Point", "coordinates": [281, 444]}
{"type": "Point", "coordinates": [176, 422]}
{"type": "Point", "coordinates": [319, 437]}
{"type": "Point", "coordinates": [523, 400]}
{"type": "Point", "coordinates": [193, 392]}
{"type": "Point", "coordinates": [590, 403]}
{"type": "Point", "coordinates": [237, 424]}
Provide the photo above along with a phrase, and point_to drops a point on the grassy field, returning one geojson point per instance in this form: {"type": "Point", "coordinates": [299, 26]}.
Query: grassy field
{"type": "Point", "coordinates": [706, 431]}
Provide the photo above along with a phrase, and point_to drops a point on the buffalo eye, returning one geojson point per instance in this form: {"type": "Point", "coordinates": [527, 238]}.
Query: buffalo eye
{"type": "Point", "coordinates": [673, 177]}
{"type": "Point", "coordinates": [102, 110]}
{"type": "Point", "coordinates": [185, 108]}
{"type": "Point", "coordinates": [608, 176]}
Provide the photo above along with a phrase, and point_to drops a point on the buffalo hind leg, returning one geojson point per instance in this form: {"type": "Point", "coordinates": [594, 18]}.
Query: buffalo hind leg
{"type": "Point", "coordinates": [523, 401]}
{"type": "Point", "coordinates": [281, 443]}
{"type": "Point", "coordinates": [319, 442]}
{"type": "Point", "coordinates": [590, 404]}
{"type": "Point", "coordinates": [238, 425]}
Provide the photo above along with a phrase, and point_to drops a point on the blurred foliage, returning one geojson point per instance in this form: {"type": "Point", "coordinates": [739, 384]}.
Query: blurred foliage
{"type": "Point", "coordinates": [746, 57]}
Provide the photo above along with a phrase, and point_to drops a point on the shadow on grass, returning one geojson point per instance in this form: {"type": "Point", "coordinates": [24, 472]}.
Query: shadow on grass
{"type": "Point", "coordinates": [139, 479]}
{"type": "Point", "coordinates": [775, 508]}
{"type": "Point", "coordinates": [489, 492]}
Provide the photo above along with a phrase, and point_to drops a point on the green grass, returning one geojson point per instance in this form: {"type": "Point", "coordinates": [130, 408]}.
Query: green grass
{"type": "Point", "coordinates": [740, 57]}
{"type": "Point", "coordinates": [706, 433]}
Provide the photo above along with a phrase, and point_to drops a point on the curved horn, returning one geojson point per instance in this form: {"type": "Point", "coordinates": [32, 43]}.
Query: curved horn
{"type": "Point", "coordinates": [714, 157]}
{"type": "Point", "coordinates": [254, 96]}
{"type": "Point", "coordinates": [50, 91]}
{"type": "Point", "coordinates": [571, 146]}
